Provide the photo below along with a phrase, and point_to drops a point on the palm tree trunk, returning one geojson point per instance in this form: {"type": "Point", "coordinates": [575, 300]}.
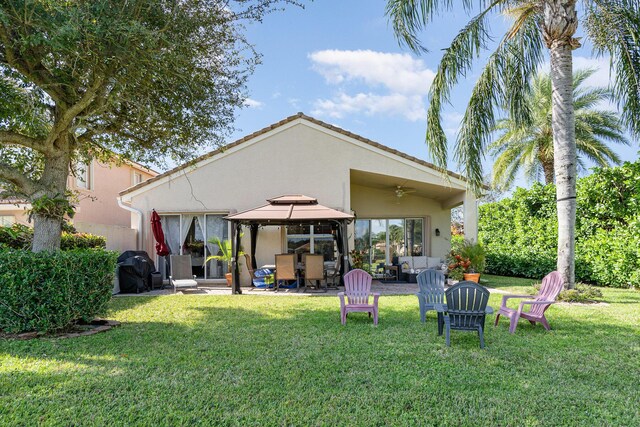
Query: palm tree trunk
{"type": "Point", "coordinates": [560, 23]}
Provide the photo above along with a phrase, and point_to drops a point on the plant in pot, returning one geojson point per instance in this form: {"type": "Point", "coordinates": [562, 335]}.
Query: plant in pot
{"type": "Point", "coordinates": [458, 266]}
{"type": "Point", "coordinates": [476, 254]}
{"type": "Point", "coordinates": [225, 254]}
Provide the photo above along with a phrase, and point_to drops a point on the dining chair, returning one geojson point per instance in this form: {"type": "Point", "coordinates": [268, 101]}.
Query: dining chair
{"type": "Point", "coordinates": [285, 268]}
{"type": "Point", "coordinates": [314, 270]}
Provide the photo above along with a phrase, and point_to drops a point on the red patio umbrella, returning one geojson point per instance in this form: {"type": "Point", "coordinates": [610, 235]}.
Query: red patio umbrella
{"type": "Point", "coordinates": [158, 234]}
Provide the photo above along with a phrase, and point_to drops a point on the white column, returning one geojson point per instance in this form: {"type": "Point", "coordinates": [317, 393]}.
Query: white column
{"type": "Point", "coordinates": [470, 217]}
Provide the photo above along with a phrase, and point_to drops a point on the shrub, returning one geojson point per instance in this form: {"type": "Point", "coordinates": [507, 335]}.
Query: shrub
{"type": "Point", "coordinates": [581, 293]}
{"type": "Point", "coordinates": [50, 291]}
{"type": "Point", "coordinates": [520, 233]}
{"type": "Point", "coordinates": [82, 241]}
{"type": "Point", "coordinates": [19, 236]}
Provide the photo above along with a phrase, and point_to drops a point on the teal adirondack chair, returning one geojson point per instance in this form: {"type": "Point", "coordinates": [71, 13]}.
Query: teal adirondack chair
{"type": "Point", "coordinates": [431, 294]}
{"type": "Point", "coordinates": [466, 309]}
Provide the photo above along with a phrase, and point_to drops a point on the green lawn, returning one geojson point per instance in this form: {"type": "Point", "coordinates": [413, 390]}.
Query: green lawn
{"type": "Point", "coordinates": [264, 360]}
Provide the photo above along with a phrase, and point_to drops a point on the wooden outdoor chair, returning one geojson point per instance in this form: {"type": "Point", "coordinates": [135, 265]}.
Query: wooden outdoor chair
{"type": "Point", "coordinates": [285, 268]}
{"type": "Point", "coordinates": [466, 309]}
{"type": "Point", "coordinates": [431, 295]}
{"type": "Point", "coordinates": [313, 270]}
{"type": "Point", "coordinates": [181, 273]}
{"type": "Point", "coordinates": [357, 289]}
{"type": "Point", "coordinates": [549, 291]}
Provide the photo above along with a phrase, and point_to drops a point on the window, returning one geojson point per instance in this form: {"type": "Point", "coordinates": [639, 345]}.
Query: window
{"type": "Point", "coordinates": [383, 239]}
{"type": "Point", "coordinates": [7, 220]}
{"type": "Point", "coordinates": [83, 176]}
{"type": "Point", "coordinates": [315, 239]}
{"type": "Point", "coordinates": [137, 178]}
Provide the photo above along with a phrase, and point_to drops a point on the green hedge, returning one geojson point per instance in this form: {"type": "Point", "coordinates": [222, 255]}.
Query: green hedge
{"type": "Point", "coordinates": [50, 291]}
{"type": "Point", "coordinates": [19, 236]}
{"type": "Point", "coordinates": [520, 233]}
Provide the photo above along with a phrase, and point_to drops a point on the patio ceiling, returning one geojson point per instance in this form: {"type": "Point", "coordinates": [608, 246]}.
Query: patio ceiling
{"type": "Point", "coordinates": [440, 193]}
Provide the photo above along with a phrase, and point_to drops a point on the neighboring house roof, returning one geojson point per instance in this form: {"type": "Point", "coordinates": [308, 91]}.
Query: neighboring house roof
{"type": "Point", "coordinates": [275, 126]}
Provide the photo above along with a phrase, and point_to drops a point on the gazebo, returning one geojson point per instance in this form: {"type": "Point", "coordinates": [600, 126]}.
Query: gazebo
{"type": "Point", "coordinates": [288, 210]}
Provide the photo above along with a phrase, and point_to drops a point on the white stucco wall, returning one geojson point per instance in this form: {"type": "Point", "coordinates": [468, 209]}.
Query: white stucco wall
{"type": "Point", "coordinates": [299, 157]}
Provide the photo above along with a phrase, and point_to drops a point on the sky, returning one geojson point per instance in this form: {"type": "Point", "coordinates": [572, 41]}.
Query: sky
{"type": "Point", "coordinates": [338, 61]}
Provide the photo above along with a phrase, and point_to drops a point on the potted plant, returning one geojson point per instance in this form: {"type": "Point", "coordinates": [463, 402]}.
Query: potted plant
{"type": "Point", "coordinates": [458, 266]}
{"type": "Point", "coordinates": [476, 255]}
{"type": "Point", "coordinates": [225, 254]}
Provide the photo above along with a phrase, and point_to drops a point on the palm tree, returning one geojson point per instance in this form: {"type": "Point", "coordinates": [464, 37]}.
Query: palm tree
{"type": "Point", "coordinates": [528, 146]}
{"type": "Point", "coordinates": [613, 27]}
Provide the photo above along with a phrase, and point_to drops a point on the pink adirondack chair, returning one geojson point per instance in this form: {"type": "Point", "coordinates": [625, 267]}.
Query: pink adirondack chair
{"type": "Point", "coordinates": [549, 290]}
{"type": "Point", "coordinates": [357, 288]}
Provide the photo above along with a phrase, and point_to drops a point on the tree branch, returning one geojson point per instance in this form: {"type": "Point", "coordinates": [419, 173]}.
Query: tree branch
{"type": "Point", "coordinates": [7, 137]}
{"type": "Point", "coordinates": [63, 122]}
{"type": "Point", "coordinates": [40, 76]}
{"type": "Point", "coordinates": [17, 178]}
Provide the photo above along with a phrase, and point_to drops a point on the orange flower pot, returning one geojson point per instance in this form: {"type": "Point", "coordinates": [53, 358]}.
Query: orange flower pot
{"type": "Point", "coordinates": [474, 277]}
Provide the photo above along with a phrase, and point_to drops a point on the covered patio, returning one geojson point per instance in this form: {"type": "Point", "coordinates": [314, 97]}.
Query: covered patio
{"type": "Point", "coordinates": [288, 210]}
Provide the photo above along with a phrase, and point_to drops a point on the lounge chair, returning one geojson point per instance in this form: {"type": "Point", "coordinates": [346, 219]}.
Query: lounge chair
{"type": "Point", "coordinates": [549, 291]}
{"type": "Point", "coordinates": [181, 273]}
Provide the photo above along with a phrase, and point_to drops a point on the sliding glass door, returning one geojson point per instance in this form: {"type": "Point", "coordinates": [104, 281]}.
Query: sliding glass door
{"type": "Point", "coordinates": [190, 234]}
{"type": "Point", "coordinates": [380, 240]}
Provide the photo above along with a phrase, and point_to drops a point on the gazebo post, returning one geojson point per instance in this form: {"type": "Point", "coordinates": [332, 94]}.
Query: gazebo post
{"type": "Point", "coordinates": [345, 246]}
{"type": "Point", "coordinates": [235, 265]}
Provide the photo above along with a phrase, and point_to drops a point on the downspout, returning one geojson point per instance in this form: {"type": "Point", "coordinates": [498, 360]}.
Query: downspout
{"type": "Point", "coordinates": [139, 213]}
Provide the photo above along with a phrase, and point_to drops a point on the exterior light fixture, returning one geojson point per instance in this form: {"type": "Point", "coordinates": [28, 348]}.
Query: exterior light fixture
{"type": "Point", "coordinates": [437, 231]}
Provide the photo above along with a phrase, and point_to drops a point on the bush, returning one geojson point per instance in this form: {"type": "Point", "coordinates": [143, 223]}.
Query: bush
{"type": "Point", "coordinates": [50, 291]}
{"type": "Point", "coordinates": [520, 233]}
{"type": "Point", "coordinates": [19, 236]}
{"type": "Point", "coordinates": [581, 293]}
{"type": "Point", "coordinates": [82, 241]}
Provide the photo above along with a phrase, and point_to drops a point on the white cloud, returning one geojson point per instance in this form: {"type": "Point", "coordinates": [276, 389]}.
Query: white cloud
{"type": "Point", "coordinates": [252, 103]}
{"type": "Point", "coordinates": [395, 84]}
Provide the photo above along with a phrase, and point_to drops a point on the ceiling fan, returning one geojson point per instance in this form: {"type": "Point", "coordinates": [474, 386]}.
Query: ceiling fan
{"type": "Point", "coordinates": [400, 191]}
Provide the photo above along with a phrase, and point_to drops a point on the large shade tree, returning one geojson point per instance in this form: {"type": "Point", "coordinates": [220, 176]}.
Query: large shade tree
{"type": "Point", "coordinates": [113, 79]}
{"type": "Point", "coordinates": [528, 146]}
{"type": "Point", "coordinates": [613, 27]}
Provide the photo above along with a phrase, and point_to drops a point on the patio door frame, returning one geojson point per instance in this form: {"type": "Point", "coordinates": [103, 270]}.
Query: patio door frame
{"type": "Point", "coordinates": [181, 215]}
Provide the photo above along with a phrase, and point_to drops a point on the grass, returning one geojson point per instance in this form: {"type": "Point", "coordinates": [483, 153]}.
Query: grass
{"type": "Point", "coordinates": [264, 360]}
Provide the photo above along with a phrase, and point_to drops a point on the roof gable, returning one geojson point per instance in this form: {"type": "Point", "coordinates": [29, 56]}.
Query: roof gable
{"type": "Point", "coordinates": [262, 132]}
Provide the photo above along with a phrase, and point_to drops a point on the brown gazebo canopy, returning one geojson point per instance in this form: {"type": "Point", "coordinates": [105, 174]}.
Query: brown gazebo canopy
{"type": "Point", "coordinates": [285, 210]}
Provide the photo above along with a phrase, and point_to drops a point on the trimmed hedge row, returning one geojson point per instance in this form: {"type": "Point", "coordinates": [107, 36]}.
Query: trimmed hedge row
{"type": "Point", "coordinates": [50, 291]}
{"type": "Point", "coordinates": [520, 233]}
{"type": "Point", "coordinates": [19, 236]}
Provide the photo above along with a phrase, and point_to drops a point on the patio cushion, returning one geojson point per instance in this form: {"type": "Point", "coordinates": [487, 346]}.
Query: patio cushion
{"type": "Point", "coordinates": [419, 262]}
{"type": "Point", "coordinates": [185, 283]}
{"type": "Point", "coordinates": [409, 263]}
{"type": "Point", "coordinates": [434, 262]}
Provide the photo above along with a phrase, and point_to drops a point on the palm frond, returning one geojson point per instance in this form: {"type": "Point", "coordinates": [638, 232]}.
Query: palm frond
{"type": "Point", "coordinates": [614, 28]}
{"type": "Point", "coordinates": [503, 82]}
{"type": "Point", "coordinates": [409, 17]}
